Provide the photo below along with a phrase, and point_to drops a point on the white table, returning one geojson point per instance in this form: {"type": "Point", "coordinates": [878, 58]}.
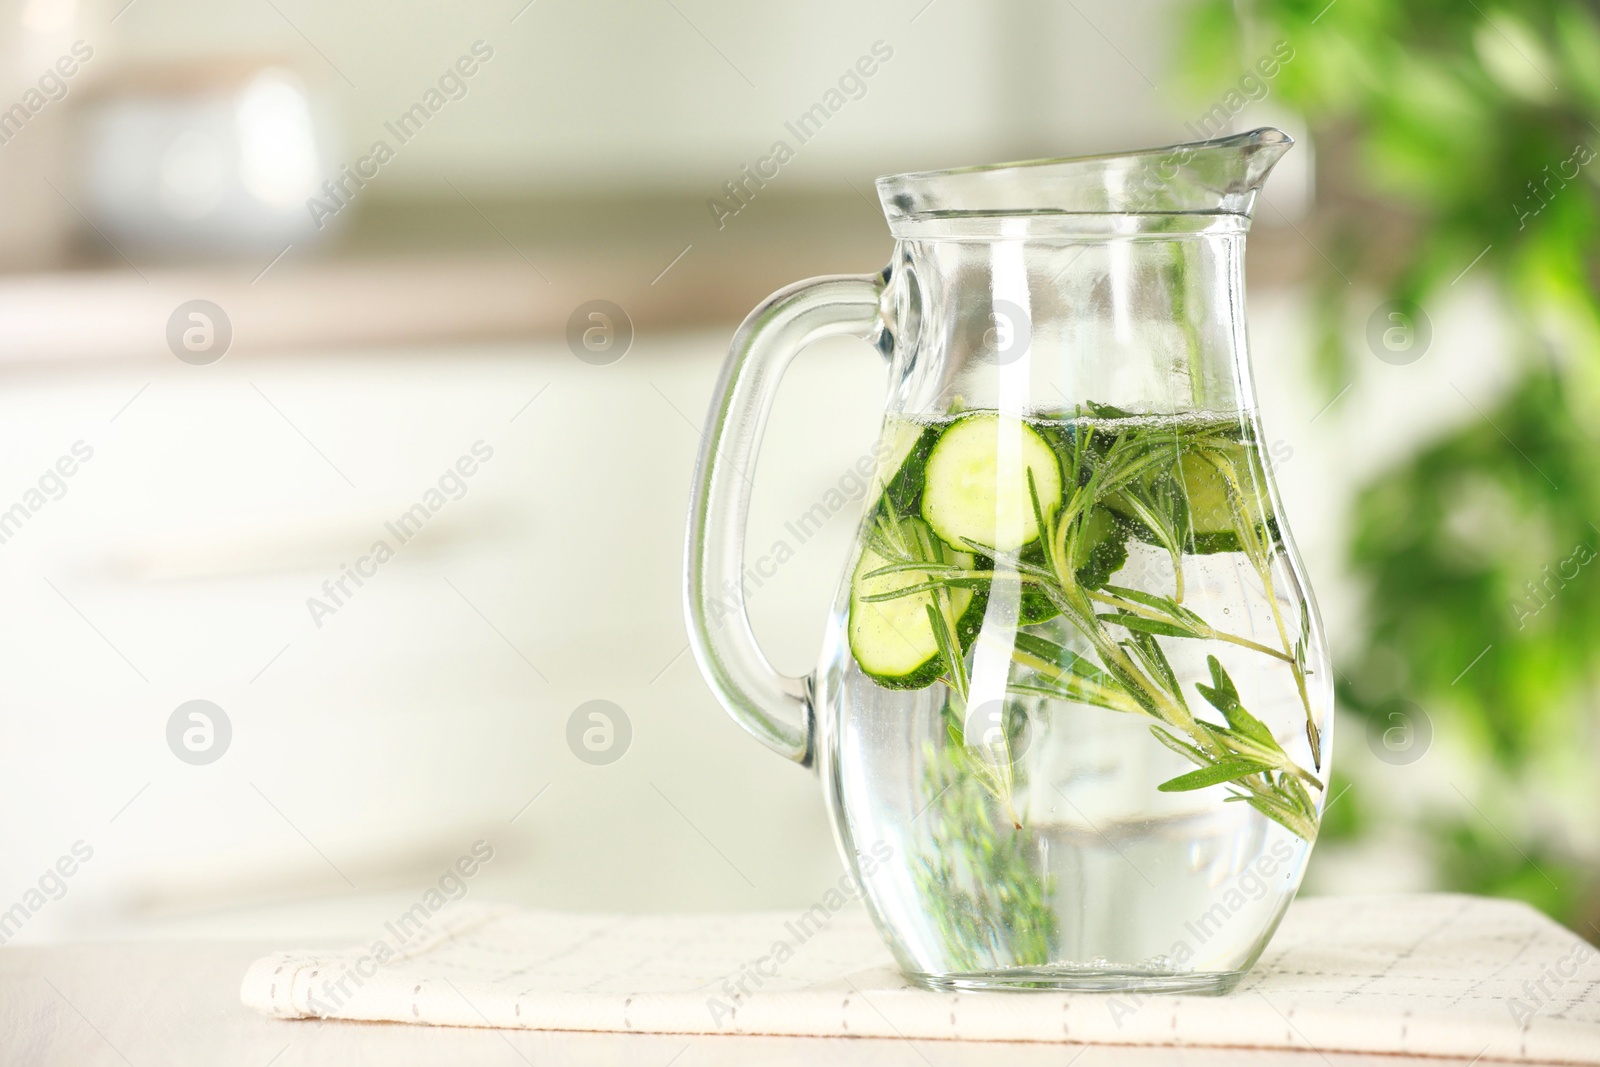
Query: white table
{"type": "Point", "coordinates": [175, 1003]}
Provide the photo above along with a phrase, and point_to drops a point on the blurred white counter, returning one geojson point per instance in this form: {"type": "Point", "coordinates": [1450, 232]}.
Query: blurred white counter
{"type": "Point", "coordinates": [430, 707]}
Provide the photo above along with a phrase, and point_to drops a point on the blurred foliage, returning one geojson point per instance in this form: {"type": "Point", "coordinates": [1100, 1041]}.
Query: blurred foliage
{"type": "Point", "coordinates": [1460, 138]}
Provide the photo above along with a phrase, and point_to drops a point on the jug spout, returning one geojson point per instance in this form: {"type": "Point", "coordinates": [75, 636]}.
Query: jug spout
{"type": "Point", "coordinates": [1216, 177]}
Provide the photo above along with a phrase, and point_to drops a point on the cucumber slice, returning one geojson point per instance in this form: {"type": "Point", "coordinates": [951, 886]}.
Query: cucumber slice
{"type": "Point", "coordinates": [971, 500]}
{"type": "Point", "coordinates": [900, 440]}
{"type": "Point", "coordinates": [1207, 491]}
{"type": "Point", "coordinates": [1211, 517]}
{"type": "Point", "coordinates": [970, 623]}
{"type": "Point", "coordinates": [1195, 493]}
{"type": "Point", "coordinates": [892, 640]}
{"type": "Point", "coordinates": [903, 467]}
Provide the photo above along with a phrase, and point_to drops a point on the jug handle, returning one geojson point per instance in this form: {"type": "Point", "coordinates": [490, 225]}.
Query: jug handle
{"type": "Point", "coordinates": [774, 707]}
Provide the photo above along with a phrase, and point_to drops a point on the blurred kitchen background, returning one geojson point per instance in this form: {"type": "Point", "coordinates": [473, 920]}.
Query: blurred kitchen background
{"type": "Point", "coordinates": [1423, 318]}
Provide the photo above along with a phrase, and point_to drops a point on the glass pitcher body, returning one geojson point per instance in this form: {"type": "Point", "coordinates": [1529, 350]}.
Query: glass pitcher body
{"type": "Point", "coordinates": [1072, 714]}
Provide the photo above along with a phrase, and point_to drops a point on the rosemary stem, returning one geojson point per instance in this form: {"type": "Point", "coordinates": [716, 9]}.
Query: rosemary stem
{"type": "Point", "coordinates": [1080, 689]}
{"type": "Point", "coordinates": [1208, 632]}
{"type": "Point", "coordinates": [1261, 559]}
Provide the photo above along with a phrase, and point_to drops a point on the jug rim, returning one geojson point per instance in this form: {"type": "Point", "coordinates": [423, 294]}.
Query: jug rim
{"type": "Point", "coordinates": [1218, 176]}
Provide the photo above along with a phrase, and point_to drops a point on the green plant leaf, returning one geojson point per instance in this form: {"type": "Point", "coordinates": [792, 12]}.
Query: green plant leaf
{"type": "Point", "coordinates": [1222, 695]}
{"type": "Point", "coordinates": [1178, 612]}
{"type": "Point", "coordinates": [1106, 557]}
{"type": "Point", "coordinates": [1224, 770]}
{"type": "Point", "coordinates": [1182, 748]}
{"type": "Point", "coordinates": [1147, 626]}
{"type": "Point", "coordinates": [1060, 656]}
{"type": "Point", "coordinates": [1149, 652]}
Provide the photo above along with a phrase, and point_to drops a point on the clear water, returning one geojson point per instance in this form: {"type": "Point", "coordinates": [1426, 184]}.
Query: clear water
{"type": "Point", "coordinates": [1074, 869]}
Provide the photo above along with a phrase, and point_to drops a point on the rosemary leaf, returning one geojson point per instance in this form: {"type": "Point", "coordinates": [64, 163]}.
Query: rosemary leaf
{"type": "Point", "coordinates": [1225, 770]}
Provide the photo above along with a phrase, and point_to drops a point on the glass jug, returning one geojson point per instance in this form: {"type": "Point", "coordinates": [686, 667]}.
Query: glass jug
{"type": "Point", "coordinates": [1072, 714]}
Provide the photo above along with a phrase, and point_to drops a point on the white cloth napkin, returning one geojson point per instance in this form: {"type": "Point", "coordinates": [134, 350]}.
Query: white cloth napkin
{"type": "Point", "coordinates": [1435, 975]}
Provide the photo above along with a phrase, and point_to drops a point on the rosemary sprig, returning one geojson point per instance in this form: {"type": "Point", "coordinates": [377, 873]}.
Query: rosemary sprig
{"type": "Point", "coordinates": [922, 552]}
{"type": "Point", "coordinates": [1259, 551]}
{"type": "Point", "coordinates": [1229, 755]}
{"type": "Point", "coordinates": [989, 891]}
{"type": "Point", "coordinates": [1137, 475]}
